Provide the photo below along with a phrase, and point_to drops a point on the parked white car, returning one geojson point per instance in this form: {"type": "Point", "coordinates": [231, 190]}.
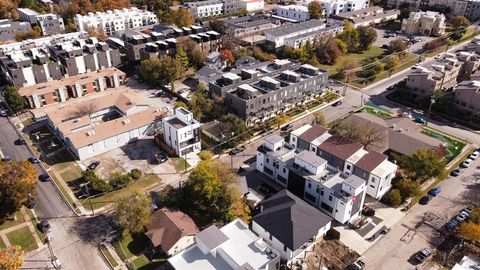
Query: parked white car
{"type": "Point", "coordinates": [467, 163]}
{"type": "Point", "coordinates": [474, 155]}
{"type": "Point", "coordinates": [462, 216]}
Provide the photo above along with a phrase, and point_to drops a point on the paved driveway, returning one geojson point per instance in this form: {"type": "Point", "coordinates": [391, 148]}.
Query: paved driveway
{"type": "Point", "coordinates": [420, 226]}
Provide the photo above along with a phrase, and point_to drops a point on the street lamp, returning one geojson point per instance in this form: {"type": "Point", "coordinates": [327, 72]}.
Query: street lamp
{"type": "Point", "coordinates": [432, 100]}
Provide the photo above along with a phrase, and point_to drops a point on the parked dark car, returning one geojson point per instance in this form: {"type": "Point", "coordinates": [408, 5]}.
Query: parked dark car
{"type": "Point", "coordinates": [237, 150]}
{"type": "Point", "coordinates": [7, 159]}
{"type": "Point", "coordinates": [3, 113]}
{"type": "Point", "coordinates": [456, 172]}
{"type": "Point", "coordinates": [338, 103]}
{"type": "Point", "coordinates": [45, 226]}
{"type": "Point", "coordinates": [45, 177]}
{"type": "Point", "coordinates": [94, 165]}
{"type": "Point", "coordinates": [422, 255]}
{"type": "Point", "coordinates": [161, 157]}
{"type": "Point", "coordinates": [451, 225]}
{"type": "Point", "coordinates": [287, 127]}
{"type": "Point", "coordinates": [420, 120]}
{"type": "Point", "coordinates": [425, 200]}
{"type": "Point", "coordinates": [20, 140]}
{"type": "Point", "coordinates": [33, 160]}
{"type": "Point", "coordinates": [435, 191]}
{"type": "Point", "coordinates": [358, 265]}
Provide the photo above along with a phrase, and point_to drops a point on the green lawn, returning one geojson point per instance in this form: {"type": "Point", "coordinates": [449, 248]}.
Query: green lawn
{"type": "Point", "coordinates": [27, 121]}
{"type": "Point", "coordinates": [358, 58]}
{"type": "Point", "coordinates": [376, 112]}
{"type": "Point", "coordinates": [454, 146]}
{"type": "Point", "coordinates": [109, 256]}
{"type": "Point", "coordinates": [179, 164]}
{"type": "Point", "coordinates": [64, 190]}
{"type": "Point", "coordinates": [22, 237]}
{"type": "Point", "coordinates": [71, 174]}
{"type": "Point", "coordinates": [35, 224]}
{"type": "Point", "coordinates": [140, 262]}
{"type": "Point", "coordinates": [131, 246]}
{"type": "Point", "coordinates": [111, 197]}
{"type": "Point", "coordinates": [2, 244]}
{"type": "Point", "coordinates": [11, 223]}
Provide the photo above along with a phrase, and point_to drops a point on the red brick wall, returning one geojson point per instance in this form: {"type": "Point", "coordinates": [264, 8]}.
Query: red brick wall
{"type": "Point", "coordinates": [90, 88]}
{"type": "Point", "coordinates": [49, 98]}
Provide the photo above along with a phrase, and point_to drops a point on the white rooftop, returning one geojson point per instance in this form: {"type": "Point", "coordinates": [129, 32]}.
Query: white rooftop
{"type": "Point", "coordinates": [384, 168]}
{"type": "Point", "coordinates": [299, 131]}
{"type": "Point", "coordinates": [242, 246]}
{"type": "Point", "coordinates": [231, 76]}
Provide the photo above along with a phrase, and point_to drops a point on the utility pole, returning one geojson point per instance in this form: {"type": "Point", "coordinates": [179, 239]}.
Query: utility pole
{"type": "Point", "coordinates": [345, 83]}
{"type": "Point", "coordinates": [89, 199]}
{"type": "Point", "coordinates": [432, 100]}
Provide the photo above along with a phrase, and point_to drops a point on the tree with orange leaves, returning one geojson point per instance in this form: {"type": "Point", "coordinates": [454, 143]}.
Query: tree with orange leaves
{"type": "Point", "coordinates": [11, 258]}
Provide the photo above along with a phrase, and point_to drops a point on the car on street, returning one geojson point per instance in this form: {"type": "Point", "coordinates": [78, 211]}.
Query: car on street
{"type": "Point", "coordinates": [466, 163]}
{"type": "Point", "coordinates": [338, 103]}
{"type": "Point", "coordinates": [420, 120]}
{"type": "Point", "coordinates": [474, 155]}
{"type": "Point", "coordinates": [45, 177]}
{"type": "Point", "coordinates": [391, 87]}
{"type": "Point", "coordinates": [45, 226]}
{"type": "Point", "coordinates": [468, 209]}
{"type": "Point", "coordinates": [456, 172]}
{"type": "Point", "coordinates": [462, 216]}
{"type": "Point", "coordinates": [435, 191]}
{"type": "Point", "coordinates": [3, 113]}
{"type": "Point", "coordinates": [33, 160]}
{"type": "Point", "coordinates": [287, 127]}
{"type": "Point", "coordinates": [21, 140]}
{"type": "Point", "coordinates": [358, 265]}
{"type": "Point", "coordinates": [422, 255]}
{"type": "Point", "coordinates": [425, 199]}
{"type": "Point", "coordinates": [7, 159]}
{"type": "Point", "coordinates": [451, 225]}
{"type": "Point", "coordinates": [237, 150]}
{"type": "Point", "coordinates": [161, 157]}
{"type": "Point", "coordinates": [94, 165]}
{"type": "Point", "coordinates": [419, 112]}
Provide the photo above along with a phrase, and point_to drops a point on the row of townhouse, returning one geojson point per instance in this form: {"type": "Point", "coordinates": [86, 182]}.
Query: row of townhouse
{"type": "Point", "coordinates": [50, 24]}
{"type": "Point", "coordinates": [41, 64]}
{"type": "Point", "coordinates": [330, 172]}
{"type": "Point", "coordinates": [261, 91]}
{"type": "Point", "coordinates": [444, 73]}
{"type": "Point", "coordinates": [117, 20]}
{"type": "Point", "coordinates": [368, 16]}
{"type": "Point", "coordinates": [468, 8]}
{"type": "Point", "coordinates": [297, 35]}
{"type": "Point", "coordinates": [163, 40]}
{"type": "Point", "coordinates": [9, 29]}
{"type": "Point", "coordinates": [208, 8]}
{"type": "Point", "coordinates": [244, 26]}
{"type": "Point", "coordinates": [42, 42]}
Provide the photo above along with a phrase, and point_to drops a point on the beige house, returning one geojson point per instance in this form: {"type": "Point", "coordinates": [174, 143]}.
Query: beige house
{"type": "Point", "coordinates": [368, 16]}
{"type": "Point", "coordinates": [427, 23]}
{"type": "Point", "coordinates": [441, 75]}
{"type": "Point", "coordinates": [467, 94]}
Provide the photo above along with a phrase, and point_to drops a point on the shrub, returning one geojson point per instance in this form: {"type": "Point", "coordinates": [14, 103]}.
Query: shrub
{"type": "Point", "coordinates": [393, 198]}
{"type": "Point", "coordinates": [135, 174]}
{"type": "Point", "coordinates": [118, 180]}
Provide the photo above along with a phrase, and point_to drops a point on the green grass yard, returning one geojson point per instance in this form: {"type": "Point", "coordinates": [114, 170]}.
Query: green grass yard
{"type": "Point", "coordinates": [357, 58]}
{"type": "Point", "coordinates": [11, 223]}
{"type": "Point", "coordinates": [2, 244]}
{"type": "Point", "coordinates": [179, 164]}
{"type": "Point", "coordinates": [108, 256]}
{"type": "Point", "coordinates": [131, 246]}
{"type": "Point", "coordinates": [113, 196]}
{"type": "Point", "coordinates": [22, 237]}
{"type": "Point", "coordinates": [454, 147]}
{"type": "Point", "coordinates": [377, 112]}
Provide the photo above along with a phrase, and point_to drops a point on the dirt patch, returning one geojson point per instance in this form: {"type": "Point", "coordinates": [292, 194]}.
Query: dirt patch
{"type": "Point", "coordinates": [334, 255]}
{"type": "Point", "coordinates": [107, 167]}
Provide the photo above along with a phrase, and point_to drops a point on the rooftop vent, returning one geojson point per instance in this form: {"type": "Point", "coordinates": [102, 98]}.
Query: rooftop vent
{"type": "Point", "coordinates": [126, 121]}
{"type": "Point", "coordinates": [91, 132]}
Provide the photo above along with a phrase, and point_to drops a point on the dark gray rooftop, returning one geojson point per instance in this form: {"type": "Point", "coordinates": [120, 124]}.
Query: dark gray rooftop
{"type": "Point", "coordinates": [293, 28]}
{"type": "Point", "coordinates": [290, 219]}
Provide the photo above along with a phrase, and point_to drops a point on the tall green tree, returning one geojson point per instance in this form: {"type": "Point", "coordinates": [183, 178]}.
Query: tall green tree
{"type": "Point", "coordinates": [134, 212]}
{"type": "Point", "coordinates": [408, 188]}
{"type": "Point", "coordinates": [397, 46]}
{"type": "Point", "coordinates": [315, 9]}
{"type": "Point", "coordinates": [16, 102]}
{"type": "Point", "coordinates": [181, 56]}
{"type": "Point", "coordinates": [18, 182]}
{"type": "Point", "coordinates": [422, 164]}
{"type": "Point", "coordinates": [350, 36]}
{"type": "Point", "coordinates": [235, 128]}
{"type": "Point", "coordinates": [367, 35]}
{"type": "Point", "coordinates": [161, 71]}
{"type": "Point", "coordinates": [327, 50]}
{"type": "Point", "coordinates": [460, 22]}
{"type": "Point", "coordinates": [200, 103]}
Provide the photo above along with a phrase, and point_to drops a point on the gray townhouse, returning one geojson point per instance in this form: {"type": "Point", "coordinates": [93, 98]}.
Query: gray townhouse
{"type": "Point", "coordinates": [9, 28]}
{"type": "Point", "coordinates": [262, 91]}
{"type": "Point", "coordinates": [245, 26]}
{"type": "Point", "coordinates": [163, 40]}
{"type": "Point", "coordinates": [37, 65]}
{"type": "Point", "coordinates": [50, 24]}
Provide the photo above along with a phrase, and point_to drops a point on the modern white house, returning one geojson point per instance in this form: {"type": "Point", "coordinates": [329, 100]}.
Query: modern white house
{"type": "Point", "coordinates": [290, 225]}
{"type": "Point", "coordinates": [253, 5]}
{"type": "Point", "coordinates": [296, 13]}
{"type": "Point", "coordinates": [112, 21]}
{"type": "Point", "coordinates": [50, 24]}
{"type": "Point", "coordinates": [207, 8]}
{"type": "Point", "coordinates": [231, 247]}
{"type": "Point", "coordinates": [101, 122]}
{"type": "Point", "coordinates": [182, 132]}
{"type": "Point", "coordinates": [334, 7]}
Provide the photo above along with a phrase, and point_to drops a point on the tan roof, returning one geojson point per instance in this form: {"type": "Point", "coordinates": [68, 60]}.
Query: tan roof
{"type": "Point", "coordinates": [51, 86]}
{"type": "Point", "coordinates": [168, 226]}
{"type": "Point", "coordinates": [72, 118]}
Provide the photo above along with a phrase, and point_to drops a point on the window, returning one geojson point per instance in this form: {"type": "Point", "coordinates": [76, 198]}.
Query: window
{"type": "Point", "coordinates": [281, 179]}
{"type": "Point", "coordinates": [317, 190]}
{"type": "Point", "coordinates": [268, 160]}
{"type": "Point", "coordinates": [330, 198]}
{"type": "Point", "coordinates": [284, 248]}
{"type": "Point", "coordinates": [321, 192]}
{"type": "Point", "coordinates": [309, 185]}
{"type": "Point", "coordinates": [349, 167]}
{"type": "Point", "coordinates": [372, 186]}
{"type": "Point", "coordinates": [270, 237]}
{"type": "Point", "coordinates": [284, 170]}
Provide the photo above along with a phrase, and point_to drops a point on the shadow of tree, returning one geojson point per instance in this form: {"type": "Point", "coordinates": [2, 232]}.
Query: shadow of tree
{"type": "Point", "coordinates": [95, 229]}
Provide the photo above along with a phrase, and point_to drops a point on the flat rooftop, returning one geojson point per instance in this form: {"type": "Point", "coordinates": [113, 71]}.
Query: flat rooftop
{"type": "Point", "coordinates": [242, 246]}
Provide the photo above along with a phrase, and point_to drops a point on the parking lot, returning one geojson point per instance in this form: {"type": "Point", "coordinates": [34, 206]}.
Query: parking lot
{"type": "Point", "coordinates": [383, 39]}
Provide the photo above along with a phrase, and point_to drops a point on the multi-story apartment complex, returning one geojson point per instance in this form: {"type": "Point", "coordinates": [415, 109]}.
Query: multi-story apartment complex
{"type": "Point", "coordinates": [467, 95]}
{"type": "Point", "coordinates": [231, 247]}
{"type": "Point", "coordinates": [51, 24]}
{"type": "Point", "coordinates": [56, 91]}
{"type": "Point", "coordinates": [9, 28]}
{"type": "Point", "coordinates": [334, 7]}
{"type": "Point", "coordinates": [38, 65]}
{"type": "Point", "coordinates": [117, 20]}
{"type": "Point", "coordinates": [468, 8]}
{"type": "Point", "coordinates": [261, 91]}
{"type": "Point", "coordinates": [208, 8]}
{"type": "Point", "coordinates": [245, 26]}
{"type": "Point", "coordinates": [440, 75]}
{"type": "Point", "coordinates": [368, 16]}
{"type": "Point", "coordinates": [295, 13]}
{"type": "Point", "coordinates": [297, 35]}
{"type": "Point", "coordinates": [162, 41]}
{"type": "Point", "coordinates": [338, 194]}
{"type": "Point", "coordinates": [41, 42]}
{"type": "Point", "coordinates": [101, 122]}
{"type": "Point", "coordinates": [428, 23]}
{"type": "Point", "coordinates": [182, 132]}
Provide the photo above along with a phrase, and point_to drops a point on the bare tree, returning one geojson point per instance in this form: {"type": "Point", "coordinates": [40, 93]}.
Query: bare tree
{"type": "Point", "coordinates": [371, 137]}
{"type": "Point", "coordinates": [85, 109]}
